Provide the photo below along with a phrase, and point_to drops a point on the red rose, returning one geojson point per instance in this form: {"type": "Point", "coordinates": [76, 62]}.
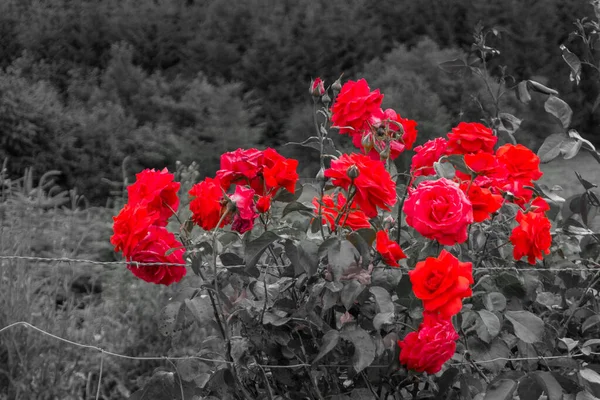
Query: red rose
{"type": "Point", "coordinates": [389, 249]}
{"type": "Point", "coordinates": [279, 171]}
{"type": "Point", "coordinates": [152, 249]}
{"type": "Point", "coordinates": [264, 171]}
{"type": "Point", "coordinates": [430, 347]}
{"type": "Point", "coordinates": [539, 205]}
{"type": "Point", "coordinates": [483, 201]}
{"type": "Point", "coordinates": [520, 195]}
{"type": "Point", "coordinates": [245, 210]}
{"type": "Point", "coordinates": [471, 137]}
{"type": "Point", "coordinates": [208, 204]}
{"type": "Point", "coordinates": [439, 210]}
{"type": "Point", "coordinates": [355, 219]}
{"type": "Point", "coordinates": [532, 237]}
{"type": "Point", "coordinates": [426, 155]}
{"type": "Point", "coordinates": [157, 191]}
{"type": "Point", "coordinates": [486, 166]}
{"type": "Point", "coordinates": [240, 166]}
{"type": "Point", "coordinates": [373, 185]}
{"type": "Point", "coordinates": [263, 204]}
{"type": "Point", "coordinates": [391, 122]}
{"type": "Point", "coordinates": [441, 283]}
{"type": "Point", "coordinates": [522, 164]}
{"type": "Point", "coordinates": [354, 105]}
{"type": "Point", "coordinates": [131, 226]}
{"type": "Point", "coordinates": [317, 87]}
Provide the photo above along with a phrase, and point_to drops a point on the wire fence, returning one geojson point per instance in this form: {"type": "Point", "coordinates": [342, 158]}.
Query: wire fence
{"type": "Point", "coordinates": [594, 266]}
{"type": "Point", "coordinates": [105, 352]}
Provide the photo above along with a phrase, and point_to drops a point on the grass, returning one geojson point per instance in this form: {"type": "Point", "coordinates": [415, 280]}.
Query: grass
{"type": "Point", "coordinates": [37, 220]}
{"type": "Point", "coordinates": [561, 172]}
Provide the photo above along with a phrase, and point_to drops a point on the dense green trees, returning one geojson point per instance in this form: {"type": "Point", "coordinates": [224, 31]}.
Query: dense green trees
{"type": "Point", "coordinates": [85, 83]}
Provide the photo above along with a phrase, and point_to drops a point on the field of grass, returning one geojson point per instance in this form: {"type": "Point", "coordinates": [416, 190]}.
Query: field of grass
{"type": "Point", "coordinates": [58, 298]}
{"type": "Point", "coordinates": [561, 172]}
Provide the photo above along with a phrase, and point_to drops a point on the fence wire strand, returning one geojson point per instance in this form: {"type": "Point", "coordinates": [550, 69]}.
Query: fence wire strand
{"type": "Point", "coordinates": [154, 264]}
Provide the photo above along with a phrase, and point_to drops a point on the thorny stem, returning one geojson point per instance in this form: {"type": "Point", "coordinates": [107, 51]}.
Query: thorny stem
{"type": "Point", "coordinates": [321, 168]}
{"type": "Point", "coordinates": [399, 216]}
{"type": "Point", "coordinates": [220, 313]}
{"type": "Point", "coordinates": [581, 301]}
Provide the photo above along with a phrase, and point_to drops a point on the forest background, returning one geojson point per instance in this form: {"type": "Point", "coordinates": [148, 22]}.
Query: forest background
{"type": "Point", "coordinates": [99, 90]}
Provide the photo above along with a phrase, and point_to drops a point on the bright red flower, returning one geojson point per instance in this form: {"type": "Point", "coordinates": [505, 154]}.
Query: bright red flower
{"type": "Point", "coordinates": [431, 346]}
{"type": "Point", "coordinates": [263, 204]}
{"type": "Point", "coordinates": [153, 248]}
{"type": "Point", "coordinates": [487, 168]}
{"type": "Point", "coordinates": [520, 194]}
{"type": "Point", "coordinates": [279, 171]}
{"type": "Point", "coordinates": [240, 166]}
{"type": "Point", "coordinates": [373, 185]}
{"type": "Point", "coordinates": [426, 155]}
{"type": "Point", "coordinates": [157, 191]}
{"type": "Point", "coordinates": [441, 283]}
{"type": "Point", "coordinates": [131, 226]}
{"type": "Point", "coordinates": [483, 200]}
{"type": "Point", "coordinates": [539, 205]}
{"type": "Point", "coordinates": [317, 87]}
{"type": "Point", "coordinates": [522, 164]}
{"type": "Point", "coordinates": [245, 210]}
{"type": "Point", "coordinates": [208, 204]}
{"type": "Point", "coordinates": [391, 122]}
{"type": "Point", "coordinates": [390, 251]}
{"type": "Point", "coordinates": [353, 107]}
{"type": "Point", "coordinates": [439, 210]}
{"type": "Point", "coordinates": [355, 220]}
{"type": "Point", "coordinates": [264, 171]}
{"type": "Point", "coordinates": [532, 237]}
{"type": "Point", "coordinates": [471, 137]}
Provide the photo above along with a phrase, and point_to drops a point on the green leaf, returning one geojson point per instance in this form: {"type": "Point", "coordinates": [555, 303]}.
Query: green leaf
{"type": "Point", "coordinates": [168, 318]}
{"type": "Point", "coordinates": [528, 327]}
{"type": "Point", "coordinates": [286, 197]}
{"type": "Point", "coordinates": [496, 351]}
{"type": "Point", "coordinates": [570, 147]}
{"type": "Point", "coordinates": [352, 289]}
{"type": "Point", "coordinates": [341, 256]}
{"type": "Point", "coordinates": [444, 170]}
{"type": "Point", "coordinates": [538, 87]}
{"type": "Point", "coordinates": [303, 257]}
{"type": "Point", "coordinates": [201, 309]}
{"type": "Point", "coordinates": [330, 340]}
{"type": "Point", "coordinates": [523, 92]}
{"type": "Point", "coordinates": [494, 301]}
{"type": "Point", "coordinates": [590, 322]}
{"type": "Point", "coordinates": [362, 246]}
{"type": "Point", "coordinates": [586, 184]}
{"type": "Point", "coordinates": [388, 278]}
{"type": "Point", "coordinates": [591, 381]}
{"type": "Point", "coordinates": [299, 207]}
{"type": "Point", "coordinates": [490, 321]}
{"type": "Point", "coordinates": [584, 395]}
{"type": "Point", "coordinates": [501, 389]}
{"type": "Point", "coordinates": [458, 162]}
{"type": "Point", "coordinates": [551, 147]}
{"type": "Point", "coordinates": [549, 384]}
{"type": "Point", "coordinates": [586, 143]}
{"type": "Point", "coordinates": [256, 248]}
{"type": "Point", "coordinates": [381, 319]}
{"type": "Point", "coordinates": [573, 62]}
{"type": "Point", "coordinates": [229, 259]}
{"type": "Point", "coordinates": [529, 388]}
{"type": "Point", "coordinates": [383, 299]}
{"type": "Point", "coordinates": [509, 122]}
{"type": "Point", "coordinates": [163, 385]}
{"type": "Point", "coordinates": [559, 109]}
{"type": "Point", "coordinates": [446, 381]}
{"type": "Point", "coordinates": [364, 347]}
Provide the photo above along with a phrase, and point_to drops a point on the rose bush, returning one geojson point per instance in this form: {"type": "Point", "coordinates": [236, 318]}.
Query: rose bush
{"type": "Point", "coordinates": [368, 282]}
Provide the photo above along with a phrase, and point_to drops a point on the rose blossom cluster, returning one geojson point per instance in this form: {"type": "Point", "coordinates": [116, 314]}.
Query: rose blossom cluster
{"type": "Point", "coordinates": [381, 134]}
{"type": "Point", "coordinates": [257, 175]}
{"type": "Point", "coordinates": [444, 209]}
{"type": "Point", "coordinates": [140, 228]}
